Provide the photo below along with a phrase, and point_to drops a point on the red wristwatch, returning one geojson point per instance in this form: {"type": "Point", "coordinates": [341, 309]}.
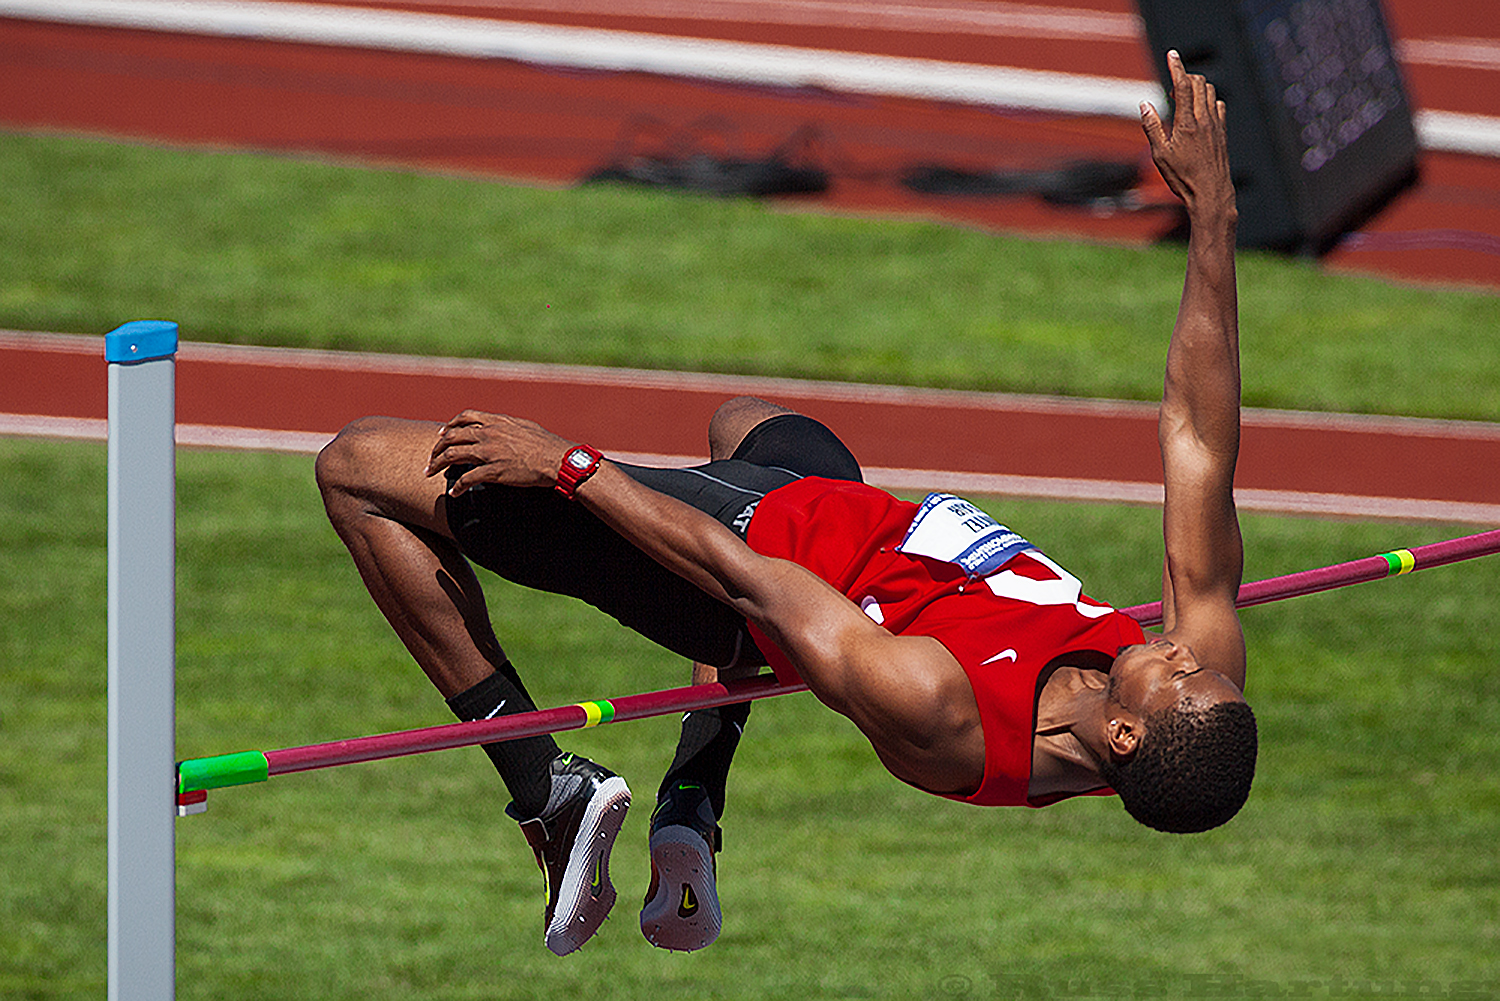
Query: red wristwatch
{"type": "Point", "coordinates": [578, 465]}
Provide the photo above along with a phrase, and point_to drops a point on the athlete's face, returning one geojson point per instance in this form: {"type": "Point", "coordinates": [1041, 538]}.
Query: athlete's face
{"type": "Point", "coordinates": [1163, 673]}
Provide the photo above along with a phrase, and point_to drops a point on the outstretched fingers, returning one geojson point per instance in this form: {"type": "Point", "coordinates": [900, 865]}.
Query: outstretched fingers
{"type": "Point", "coordinates": [1156, 132]}
{"type": "Point", "coordinates": [1192, 156]}
{"type": "Point", "coordinates": [1197, 90]}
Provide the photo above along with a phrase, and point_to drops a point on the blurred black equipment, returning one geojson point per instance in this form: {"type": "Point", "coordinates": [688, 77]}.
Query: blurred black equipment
{"type": "Point", "coordinates": [1320, 129]}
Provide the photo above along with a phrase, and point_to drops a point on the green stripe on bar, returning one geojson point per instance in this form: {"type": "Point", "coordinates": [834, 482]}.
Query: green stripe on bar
{"type": "Point", "coordinates": [237, 769]}
{"type": "Point", "coordinates": [1399, 562]}
{"type": "Point", "coordinates": [597, 712]}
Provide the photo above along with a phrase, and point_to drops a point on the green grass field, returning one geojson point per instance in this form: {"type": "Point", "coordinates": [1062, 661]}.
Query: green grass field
{"type": "Point", "coordinates": [244, 248]}
{"type": "Point", "coordinates": [1364, 865]}
{"type": "Point", "coordinates": [1366, 850]}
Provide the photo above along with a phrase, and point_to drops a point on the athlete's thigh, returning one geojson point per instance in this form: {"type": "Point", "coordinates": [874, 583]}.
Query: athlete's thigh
{"type": "Point", "coordinates": [534, 537]}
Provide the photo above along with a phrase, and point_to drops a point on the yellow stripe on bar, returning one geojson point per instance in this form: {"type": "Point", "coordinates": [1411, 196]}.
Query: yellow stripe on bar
{"type": "Point", "coordinates": [597, 712]}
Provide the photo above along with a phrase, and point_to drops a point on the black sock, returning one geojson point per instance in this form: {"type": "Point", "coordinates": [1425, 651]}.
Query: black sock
{"type": "Point", "coordinates": [705, 751]}
{"type": "Point", "coordinates": [524, 765]}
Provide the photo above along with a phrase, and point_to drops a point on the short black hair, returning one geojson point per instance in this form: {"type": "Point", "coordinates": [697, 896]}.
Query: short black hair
{"type": "Point", "coordinates": [1191, 770]}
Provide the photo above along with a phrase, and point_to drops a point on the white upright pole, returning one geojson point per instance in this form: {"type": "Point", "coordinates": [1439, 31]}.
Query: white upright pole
{"type": "Point", "coordinates": [142, 661]}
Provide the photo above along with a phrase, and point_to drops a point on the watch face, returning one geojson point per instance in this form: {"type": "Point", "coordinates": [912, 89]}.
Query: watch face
{"type": "Point", "coordinates": [579, 459]}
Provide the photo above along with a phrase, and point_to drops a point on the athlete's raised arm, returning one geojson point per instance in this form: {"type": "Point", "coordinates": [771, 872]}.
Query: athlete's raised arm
{"type": "Point", "coordinates": [1199, 425]}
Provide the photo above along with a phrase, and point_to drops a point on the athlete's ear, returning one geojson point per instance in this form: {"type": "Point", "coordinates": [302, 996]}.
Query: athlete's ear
{"type": "Point", "coordinates": [1124, 734]}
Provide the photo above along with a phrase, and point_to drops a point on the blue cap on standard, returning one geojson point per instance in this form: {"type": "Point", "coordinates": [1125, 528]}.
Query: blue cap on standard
{"type": "Point", "coordinates": [141, 340]}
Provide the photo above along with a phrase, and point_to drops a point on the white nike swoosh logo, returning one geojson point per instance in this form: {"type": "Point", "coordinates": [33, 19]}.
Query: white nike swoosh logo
{"type": "Point", "coordinates": [1002, 655]}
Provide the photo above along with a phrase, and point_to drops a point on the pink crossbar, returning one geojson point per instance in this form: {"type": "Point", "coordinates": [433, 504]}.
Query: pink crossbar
{"type": "Point", "coordinates": [1342, 574]}
{"type": "Point", "coordinates": [531, 724]}
{"type": "Point", "coordinates": [574, 717]}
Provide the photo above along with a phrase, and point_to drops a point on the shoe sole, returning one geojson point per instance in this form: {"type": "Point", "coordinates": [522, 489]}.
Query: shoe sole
{"type": "Point", "coordinates": [586, 894]}
{"type": "Point", "coordinates": [684, 913]}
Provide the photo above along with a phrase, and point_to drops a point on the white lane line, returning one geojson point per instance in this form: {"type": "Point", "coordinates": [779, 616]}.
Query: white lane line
{"type": "Point", "coordinates": [1464, 53]}
{"type": "Point", "coordinates": [322, 359]}
{"type": "Point", "coordinates": [732, 62]}
{"type": "Point", "coordinates": [187, 435]}
{"type": "Point", "coordinates": [995, 18]}
{"type": "Point", "coordinates": [987, 484]}
{"type": "Point", "coordinates": [621, 51]}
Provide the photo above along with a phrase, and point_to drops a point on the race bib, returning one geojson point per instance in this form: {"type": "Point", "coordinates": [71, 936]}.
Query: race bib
{"type": "Point", "coordinates": [952, 530]}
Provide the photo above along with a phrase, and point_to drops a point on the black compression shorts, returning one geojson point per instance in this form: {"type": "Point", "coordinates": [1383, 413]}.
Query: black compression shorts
{"type": "Point", "coordinates": [533, 536]}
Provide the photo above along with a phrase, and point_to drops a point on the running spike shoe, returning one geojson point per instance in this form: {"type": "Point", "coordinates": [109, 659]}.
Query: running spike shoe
{"type": "Point", "coordinates": [572, 841]}
{"type": "Point", "coordinates": [681, 911]}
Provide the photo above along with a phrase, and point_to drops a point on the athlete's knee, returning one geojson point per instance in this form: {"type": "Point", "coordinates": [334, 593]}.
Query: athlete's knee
{"type": "Point", "coordinates": [377, 466]}
{"type": "Point", "coordinates": [348, 460]}
{"type": "Point", "coordinates": [734, 419]}
{"type": "Point", "coordinates": [370, 458]}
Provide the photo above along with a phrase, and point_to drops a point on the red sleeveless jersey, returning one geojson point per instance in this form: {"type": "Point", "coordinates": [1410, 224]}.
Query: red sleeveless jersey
{"type": "Point", "coordinates": [1003, 627]}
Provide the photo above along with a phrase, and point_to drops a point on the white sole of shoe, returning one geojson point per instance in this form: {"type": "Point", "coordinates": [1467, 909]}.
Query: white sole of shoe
{"type": "Point", "coordinates": [586, 894]}
{"type": "Point", "coordinates": [683, 915]}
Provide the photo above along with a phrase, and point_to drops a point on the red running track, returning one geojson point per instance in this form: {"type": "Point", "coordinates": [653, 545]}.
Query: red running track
{"type": "Point", "coordinates": [908, 439]}
{"type": "Point", "coordinates": [502, 118]}
{"type": "Point", "coordinates": [505, 118]}
{"type": "Point", "coordinates": [508, 119]}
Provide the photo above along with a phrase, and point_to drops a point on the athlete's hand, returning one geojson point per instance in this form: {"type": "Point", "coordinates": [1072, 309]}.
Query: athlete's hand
{"type": "Point", "coordinates": [502, 449]}
{"type": "Point", "coordinates": [1194, 157]}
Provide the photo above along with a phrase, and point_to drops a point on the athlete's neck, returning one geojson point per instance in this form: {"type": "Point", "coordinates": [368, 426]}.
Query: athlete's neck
{"type": "Point", "coordinates": [1069, 711]}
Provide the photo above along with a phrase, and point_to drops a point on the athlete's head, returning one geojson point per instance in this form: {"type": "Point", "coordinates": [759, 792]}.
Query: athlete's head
{"type": "Point", "coordinates": [1181, 739]}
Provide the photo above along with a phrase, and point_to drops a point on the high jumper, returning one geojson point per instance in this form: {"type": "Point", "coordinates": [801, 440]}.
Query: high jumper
{"type": "Point", "coordinates": [973, 663]}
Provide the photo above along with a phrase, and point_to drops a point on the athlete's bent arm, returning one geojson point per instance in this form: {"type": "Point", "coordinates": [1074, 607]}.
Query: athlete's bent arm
{"type": "Point", "coordinates": [1199, 423]}
{"type": "Point", "coordinates": [908, 695]}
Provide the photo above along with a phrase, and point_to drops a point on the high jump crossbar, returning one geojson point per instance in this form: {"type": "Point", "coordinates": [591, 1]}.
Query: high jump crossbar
{"type": "Point", "coordinates": [1359, 571]}
{"type": "Point", "coordinates": [197, 776]}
